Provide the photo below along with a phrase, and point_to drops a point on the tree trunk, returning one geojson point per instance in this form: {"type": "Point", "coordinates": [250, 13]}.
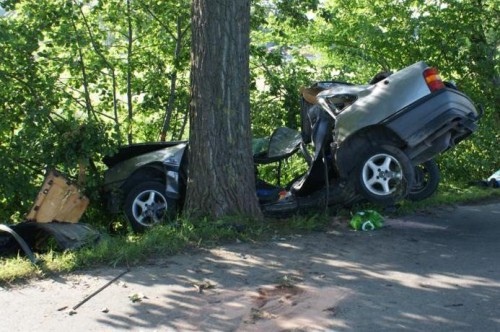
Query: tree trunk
{"type": "Point", "coordinates": [221, 180]}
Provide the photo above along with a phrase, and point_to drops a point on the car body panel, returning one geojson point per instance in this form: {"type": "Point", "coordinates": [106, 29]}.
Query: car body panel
{"type": "Point", "coordinates": [434, 123]}
{"type": "Point", "coordinates": [170, 157]}
{"type": "Point", "coordinates": [381, 100]}
{"type": "Point", "coordinates": [400, 108]}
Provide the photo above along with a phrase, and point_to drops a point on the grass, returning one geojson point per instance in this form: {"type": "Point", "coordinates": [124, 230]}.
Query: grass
{"type": "Point", "coordinates": [130, 250]}
{"type": "Point", "coordinates": [451, 194]}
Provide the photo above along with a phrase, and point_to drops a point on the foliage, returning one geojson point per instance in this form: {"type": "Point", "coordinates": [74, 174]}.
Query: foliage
{"type": "Point", "coordinates": [474, 159]}
{"type": "Point", "coordinates": [79, 78]}
{"type": "Point", "coordinates": [68, 72]}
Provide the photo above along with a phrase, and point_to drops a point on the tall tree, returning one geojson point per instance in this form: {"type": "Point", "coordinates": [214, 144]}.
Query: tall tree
{"type": "Point", "coordinates": [221, 173]}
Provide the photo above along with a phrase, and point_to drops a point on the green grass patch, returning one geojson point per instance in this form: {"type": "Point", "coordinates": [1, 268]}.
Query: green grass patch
{"type": "Point", "coordinates": [450, 194]}
{"type": "Point", "coordinates": [130, 249]}
{"type": "Point", "coordinates": [13, 269]}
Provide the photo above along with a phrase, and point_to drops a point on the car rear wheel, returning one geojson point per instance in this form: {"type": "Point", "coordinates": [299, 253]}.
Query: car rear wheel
{"type": "Point", "coordinates": [384, 175]}
{"type": "Point", "coordinates": [426, 181]}
{"type": "Point", "coordinates": [146, 205]}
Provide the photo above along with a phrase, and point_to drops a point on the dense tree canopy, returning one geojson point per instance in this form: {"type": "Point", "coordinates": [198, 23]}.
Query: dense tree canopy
{"type": "Point", "coordinates": [80, 77]}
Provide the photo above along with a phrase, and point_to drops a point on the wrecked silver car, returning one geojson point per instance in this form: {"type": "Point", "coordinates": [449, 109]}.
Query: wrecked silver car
{"type": "Point", "coordinates": [365, 143]}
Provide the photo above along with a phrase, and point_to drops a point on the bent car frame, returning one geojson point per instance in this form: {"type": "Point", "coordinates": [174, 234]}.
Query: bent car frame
{"type": "Point", "coordinates": [367, 140]}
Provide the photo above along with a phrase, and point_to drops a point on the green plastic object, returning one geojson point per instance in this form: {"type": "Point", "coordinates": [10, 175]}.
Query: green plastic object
{"type": "Point", "coordinates": [368, 220]}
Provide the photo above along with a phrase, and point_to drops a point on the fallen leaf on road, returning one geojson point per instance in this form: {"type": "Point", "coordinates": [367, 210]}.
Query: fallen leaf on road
{"type": "Point", "coordinates": [136, 297]}
{"type": "Point", "coordinates": [203, 285]}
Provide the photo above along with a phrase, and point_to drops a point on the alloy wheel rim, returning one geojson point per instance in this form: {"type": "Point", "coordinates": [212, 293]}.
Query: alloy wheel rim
{"type": "Point", "coordinates": [382, 174]}
{"type": "Point", "coordinates": [149, 208]}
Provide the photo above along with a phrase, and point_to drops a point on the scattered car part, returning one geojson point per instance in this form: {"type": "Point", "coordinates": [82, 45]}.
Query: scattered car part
{"type": "Point", "coordinates": [79, 304]}
{"type": "Point", "coordinates": [41, 237]}
{"type": "Point", "coordinates": [7, 246]}
{"type": "Point", "coordinates": [52, 222]}
{"type": "Point", "coordinates": [58, 200]}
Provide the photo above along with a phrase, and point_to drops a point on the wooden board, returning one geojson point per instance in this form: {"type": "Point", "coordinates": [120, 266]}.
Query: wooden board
{"type": "Point", "coordinates": [58, 200]}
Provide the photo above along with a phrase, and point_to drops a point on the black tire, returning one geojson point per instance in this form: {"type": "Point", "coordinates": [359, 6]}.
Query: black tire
{"type": "Point", "coordinates": [384, 174]}
{"type": "Point", "coordinates": [493, 183]}
{"type": "Point", "coordinates": [146, 205]}
{"type": "Point", "coordinates": [426, 181]}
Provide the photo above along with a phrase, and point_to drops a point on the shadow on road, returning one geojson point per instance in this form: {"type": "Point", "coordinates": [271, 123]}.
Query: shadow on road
{"type": "Point", "coordinates": [435, 272]}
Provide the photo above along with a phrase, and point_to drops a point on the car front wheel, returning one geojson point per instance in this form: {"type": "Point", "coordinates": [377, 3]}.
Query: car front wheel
{"type": "Point", "coordinates": [146, 205]}
{"type": "Point", "coordinates": [384, 175]}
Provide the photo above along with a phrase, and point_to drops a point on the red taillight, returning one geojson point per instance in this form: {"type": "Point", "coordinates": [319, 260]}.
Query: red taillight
{"type": "Point", "coordinates": [432, 79]}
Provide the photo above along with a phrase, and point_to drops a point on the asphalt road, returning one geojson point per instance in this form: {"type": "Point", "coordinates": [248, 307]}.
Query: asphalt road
{"type": "Point", "coordinates": [432, 271]}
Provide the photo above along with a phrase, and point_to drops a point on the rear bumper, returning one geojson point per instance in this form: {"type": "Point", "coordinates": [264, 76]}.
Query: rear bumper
{"type": "Point", "coordinates": [435, 123]}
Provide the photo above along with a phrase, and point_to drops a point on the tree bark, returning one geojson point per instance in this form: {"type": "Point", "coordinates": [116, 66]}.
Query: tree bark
{"type": "Point", "coordinates": [221, 180]}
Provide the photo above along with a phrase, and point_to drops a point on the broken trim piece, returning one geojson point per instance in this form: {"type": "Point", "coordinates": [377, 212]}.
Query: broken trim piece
{"type": "Point", "coordinates": [21, 242]}
{"type": "Point", "coordinates": [100, 289]}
